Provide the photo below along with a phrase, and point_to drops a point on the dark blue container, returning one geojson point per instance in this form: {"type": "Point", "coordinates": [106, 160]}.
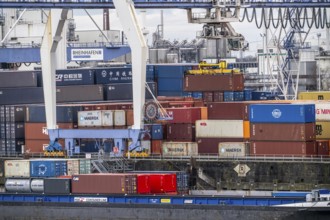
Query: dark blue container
{"type": "Point", "coordinates": [228, 96]}
{"type": "Point", "coordinates": [68, 77]}
{"type": "Point", "coordinates": [248, 94]}
{"type": "Point", "coordinates": [90, 146]}
{"type": "Point", "coordinates": [157, 132]}
{"type": "Point", "coordinates": [173, 93]}
{"type": "Point", "coordinates": [37, 114]}
{"type": "Point", "coordinates": [239, 96]}
{"type": "Point", "coordinates": [3, 130]}
{"type": "Point", "coordinates": [15, 113]}
{"type": "Point", "coordinates": [171, 71]}
{"type": "Point", "coordinates": [12, 96]}
{"type": "Point", "coordinates": [124, 91]}
{"type": "Point", "coordinates": [263, 95]}
{"type": "Point", "coordinates": [282, 113]}
{"type": "Point", "coordinates": [47, 168]}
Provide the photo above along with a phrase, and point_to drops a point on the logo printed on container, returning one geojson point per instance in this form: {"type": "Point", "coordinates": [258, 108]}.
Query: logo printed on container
{"type": "Point", "coordinates": [276, 113]}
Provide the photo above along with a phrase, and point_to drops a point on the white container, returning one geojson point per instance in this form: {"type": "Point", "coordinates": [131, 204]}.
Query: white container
{"type": "Point", "coordinates": [119, 118]}
{"type": "Point", "coordinates": [233, 149]}
{"type": "Point", "coordinates": [73, 167]}
{"type": "Point", "coordinates": [219, 129]}
{"type": "Point", "coordinates": [17, 185]}
{"type": "Point", "coordinates": [37, 185]}
{"type": "Point", "coordinates": [17, 168]}
{"type": "Point", "coordinates": [322, 111]}
{"type": "Point", "coordinates": [107, 118]}
{"type": "Point", "coordinates": [89, 118]}
{"type": "Point", "coordinates": [179, 149]}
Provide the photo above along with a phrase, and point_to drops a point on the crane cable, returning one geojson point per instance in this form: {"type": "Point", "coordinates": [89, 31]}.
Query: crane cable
{"type": "Point", "coordinates": [295, 17]}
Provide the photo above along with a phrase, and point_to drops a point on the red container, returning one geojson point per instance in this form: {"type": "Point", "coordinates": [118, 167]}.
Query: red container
{"type": "Point", "coordinates": [107, 183]}
{"type": "Point", "coordinates": [181, 104]}
{"type": "Point", "coordinates": [217, 96]}
{"type": "Point", "coordinates": [211, 145]}
{"type": "Point", "coordinates": [282, 132]}
{"type": "Point", "coordinates": [322, 148]}
{"type": "Point", "coordinates": [283, 148]}
{"type": "Point", "coordinates": [208, 83]}
{"type": "Point", "coordinates": [129, 117]}
{"type": "Point", "coordinates": [156, 183]}
{"type": "Point", "coordinates": [184, 115]}
{"type": "Point", "coordinates": [39, 131]}
{"type": "Point", "coordinates": [156, 146]}
{"type": "Point", "coordinates": [143, 184]}
{"type": "Point", "coordinates": [228, 110]}
{"type": "Point", "coordinates": [181, 132]}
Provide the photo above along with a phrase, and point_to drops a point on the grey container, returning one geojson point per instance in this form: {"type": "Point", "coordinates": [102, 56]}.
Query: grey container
{"type": "Point", "coordinates": [25, 95]}
{"type": "Point", "coordinates": [36, 114]}
{"type": "Point", "coordinates": [11, 79]}
{"type": "Point", "coordinates": [15, 130]}
{"type": "Point", "coordinates": [2, 130]}
{"type": "Point", "coordinates": [124, 91]}
{"type": "Point", "coordinates": [57, 186]}
{"type": "Point", "coordinates": [14, 145]}
{"type": "Point", "coordinates": [79, 93]}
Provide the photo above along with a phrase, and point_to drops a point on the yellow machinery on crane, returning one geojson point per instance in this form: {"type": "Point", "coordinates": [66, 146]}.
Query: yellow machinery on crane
{"type": "Point", "coordinates": [213, 68]}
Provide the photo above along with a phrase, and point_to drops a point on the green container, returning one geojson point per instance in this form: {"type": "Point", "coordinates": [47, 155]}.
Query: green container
{"type": "Point", "coordinates": [84, 166]}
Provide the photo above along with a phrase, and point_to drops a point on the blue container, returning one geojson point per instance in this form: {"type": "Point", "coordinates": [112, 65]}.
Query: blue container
{"type": "Point", "coordinates": [248, 94]}
{"type": "Point", "coordinates": [282, 113]}
{"type": "Point", "coordinates": [197, 95]}
{"type": "Point", "coordinates": [171, 71]}
{"type": "Point", "coordinates": [228, 96]}
{"type": "Point", "coordinates": [170, 84]}
{"type": "Point", "coordinates": [47, 168]}
{"type": "Point", "coordinates": [36, 113]}
{"type": "Point", "coordinates": [238, 96]}
{"type": "Point", "coordinates": [263, 95]}
{"type": "Point", "coordinates": [157, 132]}
{"type": "Point", "coordinates": [174, 93]}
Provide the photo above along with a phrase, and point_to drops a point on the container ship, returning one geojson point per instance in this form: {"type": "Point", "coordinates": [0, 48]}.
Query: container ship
{"type": "Point", "coordinates": [217, 141]}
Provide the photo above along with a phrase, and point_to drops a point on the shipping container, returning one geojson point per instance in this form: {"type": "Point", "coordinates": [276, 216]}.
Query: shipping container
{"type": "Point", "coordinates": [73, 167]}
{"type": "Point", "coordinates": [181, 132]}
{"type": "Point", "coordinates": [246, 130]}
{"type": "Point", "coordinates": [322, 111]}
{"type": "Point", "coordinates": [208, 97]}
{"type": "Point", "coordinates": [179, 149]}
{"type": "Point", "coordinates": [218, 96]}
{"type": "Point", "coordinates": [211, 145]}
{"type": "Point", "coordinates": [129, 117]}
{"type": "Point", "coordinates": [228, 110]}
{"type": "Point", "coordinates": [37, 114]}
{"type": "Point", "coordinates": [238, 96]}
{"type": "Point", "coordinates": [37, 185]}
{"type": "Point", "coordinates": [143, 147]}
{"type": "Point", "coordinates": [15, 113]}
{"type": "Point", "coordinates": [96, 118]}
{"type": "Point", "coordinates": [233, 149]}
{"type": "Point", "coordinates": [248, 94]}
{"type": "Point", "coordinates": [124, 91]}
{"type": "Point", "coordinates": [57, 186]}
{"type": "Point", "coordinates": [17, 168]}
{"type": "Point", "coordinates": [171, 71]}
{"type": "Point", "coordinates": [15, 130]}
{"type": "Point", "coordinates": [282, 131]}
{"type": "Point", "coordinates": [219, 129]}
{"type": "Point", "coordinates": [228, 96]}
{"type": "Point", "coordinates": [323, 148]}
{"type": "Point", "coordinates": [104, 183]}
{"type": "Point", "coordinates": [283, 148]}
{"type": "Point", "coordinates": [156, 146]}
{"type": "Point", "coordinates": [92, 145]}
{"type": "Point", "coordinates": [163, 183]}
{"type": "Point", "coordinates": [322, 129]}
{"type": "Point", "coordinates": [282, 113]}
{"type": "Point", "coordinates": [157, 132]}
{"type": "Point", "coordinates": [184, 115]}
{"type": "Point", "coordinates": [12, 79]}
{"type": "Point", "coordinates": [84, 166]}
{"type": "Point", "coordinates": [119, 118]}
{"type": "Point", "coordinates": [23, 95]}
{"type": "Point", "coordinates": [82, 93]}
{"type": "Point", "coordinates": [256, 95]}
{"type": "Point", "coordinates": [14, 146]}
{"type": "Point", "coordinates": [315, 95]}
{"type": "Point", "coordinates": [39, 131]}
{"type": "Point", "coordinates": [48, 168]}
{"type": "Point", "coordinates": [38, 146]}
{"type": "Point", "coordinates": [220, 82]}
{"type": "Point", "coordinates": [66, 77]}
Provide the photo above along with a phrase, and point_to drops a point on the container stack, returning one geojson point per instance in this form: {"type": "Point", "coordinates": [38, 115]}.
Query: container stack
{"type": "Point", "coordinates": [322, 110]}
{"type": "Point", "coordinates": [282, 130]}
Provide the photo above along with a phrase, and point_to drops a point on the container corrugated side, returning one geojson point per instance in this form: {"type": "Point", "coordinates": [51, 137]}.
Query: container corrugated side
{"type": "Point", "coordinates": [73, 166]}
{"type": "Point", "coordinates": [48, 168]}
{"type": "Point", "coordinates": [17, 168]}
{"type": "Point", "coordinates": [84, 166]}
{"type": "Point", "coordinates": [322, 95]}
{"type": "Point", "coordinates": [322, 111]}
{"type": "Point", "coordinates": [282, 113]}
{"type": "Point", "coordinates": [219, 129]}
{"type": "Point", "coordinates": [89, 118]}
{"type": "Point", "coordinates": [57, 186]}
{"type": "Point", "coordinates": [233, 149]}
{"type": "Point", "coordinates": [10, 79]}
{"type": "Point", "coordinates": [179, 149]}
{"type": "Point", "coordinates": [119, 118]}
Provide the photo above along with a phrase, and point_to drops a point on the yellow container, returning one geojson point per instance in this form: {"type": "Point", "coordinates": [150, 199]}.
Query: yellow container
{"type": "Point", "coordinates": [246, 129]}
{"type": "Point", "coordinates": [322, 130]}
{"type": "Point", "coordinates": [322, 95]}
{"type": "Point", "coordinates": [204, 115]}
